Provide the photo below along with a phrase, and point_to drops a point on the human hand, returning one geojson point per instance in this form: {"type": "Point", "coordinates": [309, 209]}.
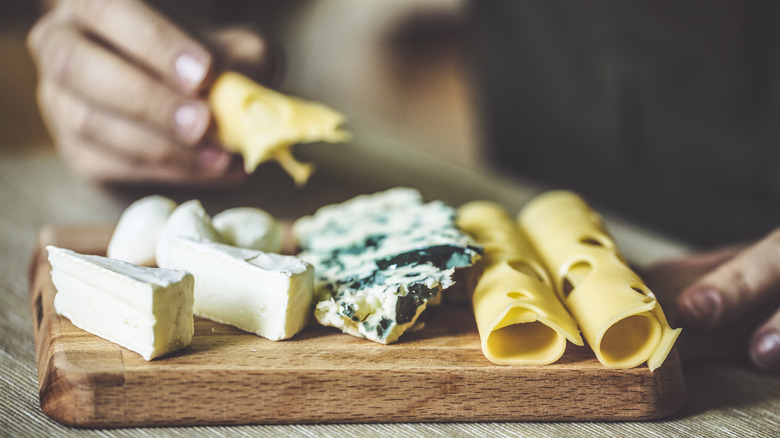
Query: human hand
{"type": "Point", "coordinates": [121, 90]}
{"type": "Point", "coordinates": [729, 302]}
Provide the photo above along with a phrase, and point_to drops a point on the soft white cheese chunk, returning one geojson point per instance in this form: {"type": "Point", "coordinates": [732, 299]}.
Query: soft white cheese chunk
{"type": "Point", "coordinates": [249, 227]}
{"type": "Point", "coordinates": [146, 310]}
{"type": "Point", "coordinates": [266, 294]}
{"type": "Point", "coordinates": [136, 234]}
{"type": "Point", "coordinates": [188, 220]}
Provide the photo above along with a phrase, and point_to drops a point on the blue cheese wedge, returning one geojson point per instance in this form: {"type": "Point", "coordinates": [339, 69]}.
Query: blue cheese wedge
{"type": "Point", "coordinates": [263, 293]}
{"type": "Point", "coordinates": [381, 259]}
{"type": "Point", "coordinates": [146, 310]}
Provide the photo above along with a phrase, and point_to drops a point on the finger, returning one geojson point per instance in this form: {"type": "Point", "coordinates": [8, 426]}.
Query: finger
{"type": "Point", "coordinates": [739, 285]}
{"type": "Point", "coordinates": [90, 70]}
{"type": "Point", "coordinates": [700, 263]}
{"type": "Point", "coordinates": [93, 162]}
{"type": "Point", "coordinates": [41, 29]}
{"type": "Point", "coordinates": [667, 279]}
{"type": "Point", "coordinates": [765, 345]}
{"type": "Point", "coordinates": [73, 116]}
{"type": "Point", "coordinates": [148, 37]}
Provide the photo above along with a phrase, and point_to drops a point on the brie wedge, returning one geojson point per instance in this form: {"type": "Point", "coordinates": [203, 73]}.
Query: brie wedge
{"type": "Point", "coordinates": [263, 293]}
{"type": "Point", "coordinates": [146, 310]}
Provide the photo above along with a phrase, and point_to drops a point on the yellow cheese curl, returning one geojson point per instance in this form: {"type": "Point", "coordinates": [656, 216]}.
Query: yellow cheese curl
{"type": "Point", "coordinates": [616, 312]}
{"type": "Point", "coordinates": [520, 319]}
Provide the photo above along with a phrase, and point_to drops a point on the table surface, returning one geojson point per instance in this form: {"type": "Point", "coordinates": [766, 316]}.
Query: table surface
{"type": "Point", "coordinates": [36, 189]}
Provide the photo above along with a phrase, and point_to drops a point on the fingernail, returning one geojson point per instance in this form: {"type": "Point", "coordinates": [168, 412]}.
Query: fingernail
{"type": "Point", "coordinates": [703, 304]}
{"type": "Point", "coordinates": [191, 68]}
{"type": "Point", "coordinates": [215, 159]}
{"type": "Point", "coordinates": [766, 352]}
{"type": "Point", "coordinates": [191, 120]}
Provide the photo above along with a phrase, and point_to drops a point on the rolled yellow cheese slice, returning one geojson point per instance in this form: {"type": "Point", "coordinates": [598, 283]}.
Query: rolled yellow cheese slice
{"type": "Point", "coordinates": [616, 312]}
{"type": "Point", "coordinates": [520, 319]}
{"type": "Point", "coordinates": [262, 124]}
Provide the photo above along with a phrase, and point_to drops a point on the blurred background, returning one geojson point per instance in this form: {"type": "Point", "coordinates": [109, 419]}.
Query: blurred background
{"type": "Point", "coordinates": [21, 130]}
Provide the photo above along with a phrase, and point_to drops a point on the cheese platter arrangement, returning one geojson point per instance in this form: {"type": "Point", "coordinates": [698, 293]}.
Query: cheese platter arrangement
{"type": "Point", "coordinates": [350, 323]}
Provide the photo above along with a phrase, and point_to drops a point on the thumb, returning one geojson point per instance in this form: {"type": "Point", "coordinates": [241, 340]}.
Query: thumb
{"type": "Point", "coordinates": [742, 284]}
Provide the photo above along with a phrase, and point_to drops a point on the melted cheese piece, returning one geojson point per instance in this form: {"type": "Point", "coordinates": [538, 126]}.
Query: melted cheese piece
{"type": "Point", "coordinates": [520, 319]}
{"type": "Point", "coordinates": [263, 124]}
{"type": "Point", "coordinates": [618, 315]}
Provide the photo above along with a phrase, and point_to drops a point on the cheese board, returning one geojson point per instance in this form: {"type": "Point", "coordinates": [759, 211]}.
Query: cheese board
{"type": "Point", "coordinates": [226, 376]}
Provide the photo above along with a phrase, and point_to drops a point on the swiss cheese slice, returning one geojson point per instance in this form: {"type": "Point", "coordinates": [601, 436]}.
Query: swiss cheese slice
{"type": "Point", "coordinates": [520, 319]}
{"type": "Point", "coordinates": [616, 312]}
{"type": "Point", "coordinates": [263, 124]}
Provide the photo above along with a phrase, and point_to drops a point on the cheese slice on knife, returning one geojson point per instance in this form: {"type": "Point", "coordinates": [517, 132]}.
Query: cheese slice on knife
{"type": "Point", "coordinates": [520, 319]}
{"type": "Point", "coordinates": [263, 124]}
{"type": "Point", "coordinates": [263, 293]}
{"type": "Point", "coordinates": [618, 315]}
{"type": "Point", "coordinates": [146, 310]}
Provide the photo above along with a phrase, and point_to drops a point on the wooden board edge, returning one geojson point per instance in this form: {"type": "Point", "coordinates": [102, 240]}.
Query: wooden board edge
{"type": "Point", "coordinates": [66, 394]}
{"type": "Point", "coordinates": [449, 404]}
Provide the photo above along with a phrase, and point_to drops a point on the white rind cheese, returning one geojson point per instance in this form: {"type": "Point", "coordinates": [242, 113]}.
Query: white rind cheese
{"type": "Point", "coordinates": [249, 227]}
{"type": "Point", "coordinates": [262, 293]}
{"type": "Point", "coordinates": [381, 259]}
{"type": "Point", "coordinates": [146, 310]}
{"type": "Point", "coordinates": [188, 220]}
{"type": "Point", "coordinates": [135, 237]}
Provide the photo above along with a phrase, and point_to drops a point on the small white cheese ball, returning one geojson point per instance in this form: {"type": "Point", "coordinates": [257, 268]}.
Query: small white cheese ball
{"type": "Point", "coordinates": [187, 220]}
{"type": "Point", "coordinates": [249, 227]}
{"type": "Point", "coordinates": [135, 236]}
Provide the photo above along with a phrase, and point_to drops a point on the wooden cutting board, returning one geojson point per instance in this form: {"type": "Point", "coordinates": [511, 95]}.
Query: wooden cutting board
{"type": "Point", "coordinates": [227, 376]}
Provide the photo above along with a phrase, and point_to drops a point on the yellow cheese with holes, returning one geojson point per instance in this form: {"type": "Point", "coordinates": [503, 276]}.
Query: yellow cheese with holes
{"type": "Point", "coordinates": [616, 312]}
{"type": "Point", "coordinates": [262, 124]}
{"type": "Point", "coordinates": [520, 319]}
